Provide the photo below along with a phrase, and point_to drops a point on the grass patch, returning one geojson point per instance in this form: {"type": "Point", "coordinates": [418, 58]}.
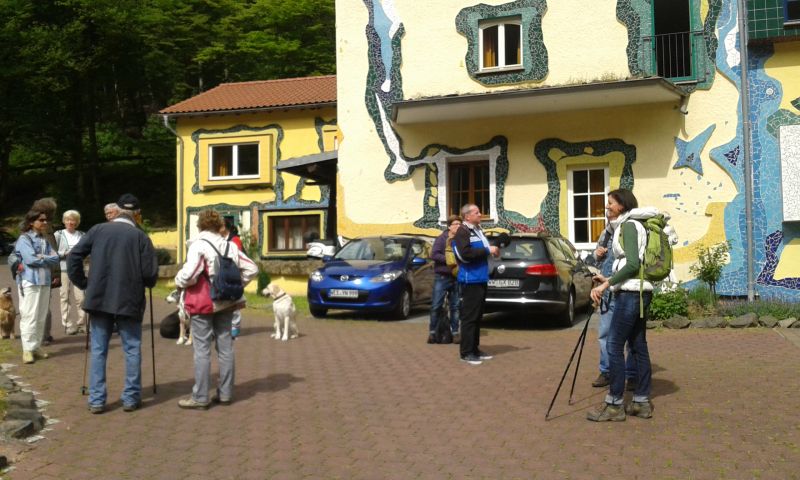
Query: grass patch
{"type": "Point", "coordinates": [776, 308]}
{"type": "Point", "coordinates": [255, 302]}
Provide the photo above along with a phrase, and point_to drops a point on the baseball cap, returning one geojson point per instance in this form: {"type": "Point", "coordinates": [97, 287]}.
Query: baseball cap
{"type": "Point", "coordinates": [128, 202]}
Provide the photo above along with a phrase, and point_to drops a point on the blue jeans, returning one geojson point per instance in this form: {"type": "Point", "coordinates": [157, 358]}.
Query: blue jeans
{"type": "Point", "coordinates": [626, 326]}
{"type": "Point", "coordinates": [130, 332]}
{"type": "Point", "coordinates": [602, 337]}
{"type": "Point", "coordinates": [445, 286]}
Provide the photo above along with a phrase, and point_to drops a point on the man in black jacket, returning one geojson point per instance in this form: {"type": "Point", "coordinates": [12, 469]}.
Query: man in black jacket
{"type": "Point", "coordinates": [123, 264]}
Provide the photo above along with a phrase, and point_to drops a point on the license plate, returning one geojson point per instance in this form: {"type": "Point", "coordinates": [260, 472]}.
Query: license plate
{"type": "Point", "coordinates": [339, 293]}
{"type": "Point", "coordinates": [504, 282]}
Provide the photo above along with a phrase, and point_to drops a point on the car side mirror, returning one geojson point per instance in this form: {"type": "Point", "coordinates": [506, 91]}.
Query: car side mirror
{"type": "Point", "coordinates": [418, 262]}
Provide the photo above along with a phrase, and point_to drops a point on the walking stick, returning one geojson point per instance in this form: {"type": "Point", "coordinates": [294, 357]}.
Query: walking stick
{"type": "Point", "coordinates": [152, 340]}
{"type": "Point", "coordinates": [581, 341]}
{"type": "Point", "coordinates": [86, 357]}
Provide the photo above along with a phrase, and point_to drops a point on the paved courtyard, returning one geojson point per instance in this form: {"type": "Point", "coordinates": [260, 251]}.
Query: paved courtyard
{"type": "Point", "coordinates": [362, 399]}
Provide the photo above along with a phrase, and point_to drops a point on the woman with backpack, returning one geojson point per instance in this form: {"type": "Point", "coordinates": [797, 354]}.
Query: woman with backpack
{"type": "Point", "coordinates": [33, 282]}
{"type": "Point", "coordinates": [632, 301]}
{"type": "Point", "coordinates": [210, 308]}
{"type": "Point", "coordinates": [67, 238]}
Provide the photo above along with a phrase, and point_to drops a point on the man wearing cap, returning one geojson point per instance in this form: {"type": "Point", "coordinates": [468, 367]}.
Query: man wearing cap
{"type": "Point", "coordinates": [123, 264]}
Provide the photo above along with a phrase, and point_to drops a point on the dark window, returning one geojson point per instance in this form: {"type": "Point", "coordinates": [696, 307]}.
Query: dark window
{"type": "Point", "coordinates": [291, 232]}
{"type": "Point", "coordinates": [791, 10]}
{"type": "Point", "coordinates": [234, 160]}
{"type": "Point", "coordinates": [469, 183]}
{"type": "Point", "coordinates": [673, 38]}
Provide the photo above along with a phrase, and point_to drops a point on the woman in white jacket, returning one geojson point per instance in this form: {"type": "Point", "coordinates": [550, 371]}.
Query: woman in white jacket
{"type": "Point", "coordinates": [627, 324]}
{"type": "Point", "coordinates": [215, 321]}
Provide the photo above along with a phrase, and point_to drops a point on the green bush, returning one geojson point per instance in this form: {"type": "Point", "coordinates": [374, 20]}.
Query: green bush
{"type": "Point", "coordinates": [701, 295]}
{"type": "Point", "coordinates": [263, 279]}
{"type": "Point", "coordinates": [776, 308]}
{"type": "Point", "coordinates": [668, 304]}
{"type": "Point", "coordinates": [708, 267]}
{"type": "Point", "coordinates": [163, 256]}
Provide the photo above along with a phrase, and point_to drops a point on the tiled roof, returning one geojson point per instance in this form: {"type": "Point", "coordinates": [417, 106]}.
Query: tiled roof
{"type": "Point", "coordinates": [287, 92]}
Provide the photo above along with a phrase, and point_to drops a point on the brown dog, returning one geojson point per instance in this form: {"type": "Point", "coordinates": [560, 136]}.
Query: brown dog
{"type": "Point", "coordinates": [7, 314]}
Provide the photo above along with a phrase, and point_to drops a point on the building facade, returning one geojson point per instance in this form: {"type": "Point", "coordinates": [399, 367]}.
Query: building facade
{"type": "Point", "coordinates": [534, 110]}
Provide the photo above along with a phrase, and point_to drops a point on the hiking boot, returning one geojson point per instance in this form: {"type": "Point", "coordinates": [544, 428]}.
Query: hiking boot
{"type": "Point", "coordinates": [640, 409]}
{"type": "Point", "coordinates": [27, 357]}
{"type": "Point", "coordinates": [631, 384]}
{"type": "Point", "coordinates": [607, 413]}
{"type": "Point", "coordinates": [40, 354]}
{"type": "Point", "coordinates": [72, 330]}
{"type": "Point", "coordinates": [97, 409]}
{"type": "Point", "coordinates": [190, 403]}
{"type": "Point", "coordinates": [456, 338]}
{"type": "Point", "coordinates": [131, 407]}
{"type": "Point", "coordinates": [484, 356]}
{"type": "Point", "coordinates": [471, 359]}
{"type": "Point", "coordinates": [431, 338]}
{"type": "Point", "coordinates": [602, 380]}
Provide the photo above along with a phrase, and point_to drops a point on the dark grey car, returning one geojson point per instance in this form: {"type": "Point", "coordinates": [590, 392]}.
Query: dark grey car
{"type": "Point", "coordinates": [539, 273]}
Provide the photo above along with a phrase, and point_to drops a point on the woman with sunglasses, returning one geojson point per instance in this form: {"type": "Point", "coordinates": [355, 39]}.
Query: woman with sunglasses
{"type": "Point", "coordinates": [33, 283]}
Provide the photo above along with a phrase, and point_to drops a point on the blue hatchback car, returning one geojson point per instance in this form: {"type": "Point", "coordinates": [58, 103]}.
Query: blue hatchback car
{"type": "Point", "coordinates": [376, 274]}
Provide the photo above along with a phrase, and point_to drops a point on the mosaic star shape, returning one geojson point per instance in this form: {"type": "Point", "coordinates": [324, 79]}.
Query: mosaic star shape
{"type": "Point", "coordinates": [689, 151]}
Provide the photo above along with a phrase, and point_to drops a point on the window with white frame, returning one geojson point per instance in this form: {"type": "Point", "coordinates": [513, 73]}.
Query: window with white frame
{"type": "Point", "coordinates": [587, 190]}
{"type": "Point", "coordinates": [238, 160]}
{"type": "Point", "coordinates": [500, 44]}
{"type": "Point", "coordinates": [469, 182]}
{"type": "Point", "coordinates": [292, 232]}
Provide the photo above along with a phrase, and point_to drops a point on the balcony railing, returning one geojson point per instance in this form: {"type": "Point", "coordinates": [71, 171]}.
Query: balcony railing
{"type": "Point", "coordinates": [675, 56]}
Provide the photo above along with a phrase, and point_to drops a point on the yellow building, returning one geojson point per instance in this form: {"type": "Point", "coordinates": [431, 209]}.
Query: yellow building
{"type": "Point", "coordinates": [237, 146]}
{"type": "Point", "coordinates": [535, 110]}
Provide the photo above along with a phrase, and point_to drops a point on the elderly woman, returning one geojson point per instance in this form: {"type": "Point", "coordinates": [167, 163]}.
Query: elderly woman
{"type": "Point", "coordinates": [627, 324]}
{"type": "Point", "coordinates": [33, 283]}
{"type": "Point", "coordinates": [210, 320]}
{"type": "Point", "coordinates": [66, 239]}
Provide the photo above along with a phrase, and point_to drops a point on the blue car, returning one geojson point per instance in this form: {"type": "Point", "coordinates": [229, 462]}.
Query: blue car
{"type": "Point", "coordinates": [374, 274]}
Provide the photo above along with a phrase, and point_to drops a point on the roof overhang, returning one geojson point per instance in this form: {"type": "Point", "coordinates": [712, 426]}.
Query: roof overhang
{"type": "Point", "coordinates": [243, 111]}
{"type": "Point", "coordinates": [533, 101]}
{"type": "Point", "coordinates": [319, 167]}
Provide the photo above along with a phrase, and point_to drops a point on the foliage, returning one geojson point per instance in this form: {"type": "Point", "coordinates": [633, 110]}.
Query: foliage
{"type": "Point", "coordinates": [263, 280]}
{"type": "Point", "coordinates": [163, 256]}
{"type": "Point", "coordinates": [701, 296]}
{"type": "Point", "coordinates": [776, 308]}
{"type": "Point", "coordinates": [708, 267]}
{"type": "Point", "coordinates": [666, 304]}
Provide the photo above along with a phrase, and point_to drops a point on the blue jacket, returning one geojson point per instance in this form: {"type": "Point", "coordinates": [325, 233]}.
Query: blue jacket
{"type": "Point", "coordinates": [472, 253]}
{"type": "Point", "coordinates": [38, 258]}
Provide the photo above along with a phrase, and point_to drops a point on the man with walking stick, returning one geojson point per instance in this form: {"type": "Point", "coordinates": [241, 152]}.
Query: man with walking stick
{"type": "Point", "coordinates": [123, 265]}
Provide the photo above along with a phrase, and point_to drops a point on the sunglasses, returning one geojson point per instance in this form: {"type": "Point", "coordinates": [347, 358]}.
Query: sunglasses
{"type": "Point", "coordinates": [43, 220]}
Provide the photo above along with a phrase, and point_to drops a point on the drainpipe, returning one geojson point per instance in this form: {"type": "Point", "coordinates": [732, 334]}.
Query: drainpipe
{"type": "Point", "coordinates": [181, 242]}
{"type": "Point", "coordinates": [748, 161]}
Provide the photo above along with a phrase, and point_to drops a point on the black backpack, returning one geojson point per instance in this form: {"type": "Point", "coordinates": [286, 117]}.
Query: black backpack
{"type": "Point", "coordinates": [227, 281]}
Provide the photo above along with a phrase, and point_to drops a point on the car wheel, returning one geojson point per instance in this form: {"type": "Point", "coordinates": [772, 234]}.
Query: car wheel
{"type": "Point", "coordinates": [318, 312]}
{"type": "Point", "coordinates": [568, 316]}
{"type": "Point", "coordinates": [403, 308]}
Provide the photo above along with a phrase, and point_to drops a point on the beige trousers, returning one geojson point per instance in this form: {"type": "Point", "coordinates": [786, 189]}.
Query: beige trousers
{"type": "Point", "coordinates": [34, 302]}
{"type": "Point", "coordinates": [77, 302]}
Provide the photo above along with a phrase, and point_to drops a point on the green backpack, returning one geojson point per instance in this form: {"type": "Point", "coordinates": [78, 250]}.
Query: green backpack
{"type": "Point", "coordinates": [657, 261]}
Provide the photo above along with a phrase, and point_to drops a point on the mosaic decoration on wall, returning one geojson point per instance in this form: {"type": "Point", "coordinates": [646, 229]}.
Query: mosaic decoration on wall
{"type": "Point", "coordinates": [550, 208]}
{"type": "Point", "coordinates": [689, 151]}
{"type": "Point", "coordinates": [770, 236]}
{"type": "Point", "coordinates": [534, 52]}
{"type": "Point", "coordinates": [384, 86]}
{"type": "Point", "coordinates": [637, 15]}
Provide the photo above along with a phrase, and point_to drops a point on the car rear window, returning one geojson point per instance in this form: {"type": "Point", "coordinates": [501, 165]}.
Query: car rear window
{"type": "Point", "coordinates": [530, 249]}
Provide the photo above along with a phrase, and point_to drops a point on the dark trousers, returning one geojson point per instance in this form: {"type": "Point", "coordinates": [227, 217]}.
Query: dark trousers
{"type": "Point", "coordinates": [626, 326]}
{"type": "Point", "coordinates": [473, 296]}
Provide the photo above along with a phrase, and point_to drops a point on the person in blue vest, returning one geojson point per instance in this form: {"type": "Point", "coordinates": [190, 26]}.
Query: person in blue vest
{"type": "Point", "coordinates": [472, 252]}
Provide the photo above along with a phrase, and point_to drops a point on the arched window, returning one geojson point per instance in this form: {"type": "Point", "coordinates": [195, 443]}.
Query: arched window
{"type": "Point", "coordinates": [500, 44]}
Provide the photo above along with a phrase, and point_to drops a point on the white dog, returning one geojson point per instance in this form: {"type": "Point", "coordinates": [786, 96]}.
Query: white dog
{"type": "Point", "coordinates": [284, 310]}
{"type": "Point", "coordinates": [185, 336]}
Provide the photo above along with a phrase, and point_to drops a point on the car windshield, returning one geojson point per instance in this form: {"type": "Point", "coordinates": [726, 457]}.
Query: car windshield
{"type": "Point", "coordinates": [375, 248]}
{"type": "Point", "coordinates": [530, 249]}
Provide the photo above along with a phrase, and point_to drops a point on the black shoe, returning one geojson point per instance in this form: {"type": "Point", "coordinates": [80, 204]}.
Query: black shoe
{"type": "Point", "coordinates": [472, 359]}
{"type": "Point", "coordinates": [97, 409]}
{"type": "Point", "coordinates": [222, 401]}
{"type": "Point", "coordinates": [48, 340]}
{"type": "Point", "coordinates": [631, 384]}
{"type": "Point", "coordinates": [131, 407]}
{"type": "Point", "coordinates": [602, 380]}
{"type": "Point", "coordinates": [483, 355]}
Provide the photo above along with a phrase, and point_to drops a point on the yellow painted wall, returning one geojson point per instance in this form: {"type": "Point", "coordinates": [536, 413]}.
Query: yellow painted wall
{"type": "Point", "coordinates": [783, 67]}
{"type": "Point", "coordinates": [789, 263]}
{"type": "Point", "coordinates": [164, 239]}
{"type": "Point", "coordinates": [426, 71]}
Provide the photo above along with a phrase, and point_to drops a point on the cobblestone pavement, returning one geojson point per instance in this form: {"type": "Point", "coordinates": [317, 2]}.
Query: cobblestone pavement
{"type": "Point", "coordinates": [361, 399]}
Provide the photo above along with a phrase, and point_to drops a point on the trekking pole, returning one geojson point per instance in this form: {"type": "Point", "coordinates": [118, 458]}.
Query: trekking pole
{"type": "Point", "coordinates": [152, 340]}
{"type": "Point", "coordinates": [86, 357]}
{"type": "Point", "coordinates": [580, 343]}
{"type": "Point", "coordinates": [580, 354]}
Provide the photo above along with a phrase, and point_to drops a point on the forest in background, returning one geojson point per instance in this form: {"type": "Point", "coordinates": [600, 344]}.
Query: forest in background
{"type": "Point", "coordinates": [81, 80]}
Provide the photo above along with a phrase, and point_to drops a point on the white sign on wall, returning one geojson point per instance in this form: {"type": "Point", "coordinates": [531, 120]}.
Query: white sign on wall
{"type": "Point", "coordinates": [790, 172]}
